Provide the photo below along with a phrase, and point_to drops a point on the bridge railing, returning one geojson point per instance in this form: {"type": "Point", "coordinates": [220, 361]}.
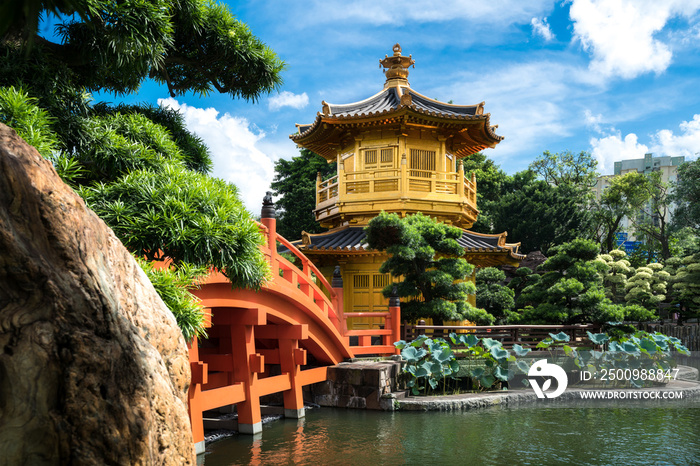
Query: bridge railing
{"type": "Point", "coordinates": [365, 337]}
{"type": "Point", "coordinates": [327, 299]}
{"type": "Point", "coordinates": [308, 279]}
{"type": "Point", "coordinates": [508, 335]}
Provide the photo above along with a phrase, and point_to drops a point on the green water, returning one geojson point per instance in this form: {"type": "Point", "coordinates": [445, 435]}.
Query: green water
{"type": "Point", "coordinates": [634, 434]}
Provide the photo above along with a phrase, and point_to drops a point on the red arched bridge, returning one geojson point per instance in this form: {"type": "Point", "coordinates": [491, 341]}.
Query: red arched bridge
{"type": "Point", "coordinates": [260, 341]}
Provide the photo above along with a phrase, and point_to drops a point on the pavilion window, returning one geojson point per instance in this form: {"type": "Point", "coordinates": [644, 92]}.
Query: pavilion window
{"type": "Point", "coordinates": [371, 158]}
{"type": "Point", "coordinates": [378, 158]}
{"type": "Point", "coordinates": [387, 158]}
{"type": "Point", "coordinates": [422, 163]}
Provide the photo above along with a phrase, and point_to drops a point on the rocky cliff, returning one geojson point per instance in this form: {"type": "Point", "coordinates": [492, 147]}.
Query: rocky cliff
{"type": "Point", "coordinates": [93, 369]}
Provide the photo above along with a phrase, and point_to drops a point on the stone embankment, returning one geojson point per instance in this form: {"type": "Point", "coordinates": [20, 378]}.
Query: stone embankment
{"type": "Point", "coordinates": [374, 385]}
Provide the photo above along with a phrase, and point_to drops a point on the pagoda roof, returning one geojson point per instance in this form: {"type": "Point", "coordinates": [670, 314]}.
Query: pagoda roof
{"type": "Point", "coordinates": [399, 104]}
{"type": "Point", "coordinates": [389, 99]}
{"type": "Point", "coordinates": [352, 239]}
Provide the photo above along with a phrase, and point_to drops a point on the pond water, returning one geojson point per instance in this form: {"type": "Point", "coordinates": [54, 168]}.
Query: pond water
{"type": "Point", "coordinates": [642, 433]}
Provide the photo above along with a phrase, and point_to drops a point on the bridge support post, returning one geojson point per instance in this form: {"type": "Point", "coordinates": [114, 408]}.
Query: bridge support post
{"type": "Point", "coordinates": [242, 348]}
{"type": "Point", "coordinates": [194, 396]}
{"type": "Point", "coordinates": [291, 359]}
{"type": "Point", "coordinates": [395, 316]}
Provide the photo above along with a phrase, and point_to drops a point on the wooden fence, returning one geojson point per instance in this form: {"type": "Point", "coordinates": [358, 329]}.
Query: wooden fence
{"type": "Point", "coordinates": [509, 335]}
{"type": "Point", "coordinates": [688, 334]}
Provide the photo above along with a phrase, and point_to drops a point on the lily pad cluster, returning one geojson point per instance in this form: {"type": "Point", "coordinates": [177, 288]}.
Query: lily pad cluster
{"type": "Point", "coordinates": [622, 359]}
{"type": "Point", "coordinates": [431, 363]}
{"type": "Point", "coordinates": [432, 366]}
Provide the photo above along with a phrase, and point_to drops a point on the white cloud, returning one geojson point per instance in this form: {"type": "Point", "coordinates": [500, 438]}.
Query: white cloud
{"type": "Point", "coordinates": [664, 142]}
{"type": "Point", "coordinates": [234, 145]}
{"type": "Point", "coordinates": [620, 33]}
{"type": "Point", "coordinates": [288, 99]}
{"type": "Point", "coordinates": [612, 148]}
{"type": "Point", "coordinates": [593, 121]}
{"type": "Point", "coordinates": [532, 103]}
{"type": "Point", "coordinates": [540, 27]}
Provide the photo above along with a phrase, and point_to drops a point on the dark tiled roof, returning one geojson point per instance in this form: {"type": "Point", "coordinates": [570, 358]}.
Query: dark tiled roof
{"type": "Point", "coordinates": [472, 241]}
{"type": "Point", "coordinates": [352, 238]}
{"type": "Point", "coordinates": [389, 99]}
{"type": "Point", "coordinates": [348, 238]}
{"type": "Point", "coordinates": [421, 102]}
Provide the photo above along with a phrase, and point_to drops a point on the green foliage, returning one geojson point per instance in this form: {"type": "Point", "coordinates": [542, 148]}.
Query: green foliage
{"type": "Point", "coordinates": [117, 144]}
{"type": "Point", "coordinates": [33, 124]}
{"type": "Point", "coordinates": [651, 224]}
{"type": "Point", "coordinates": [541, 215]}
{"type": "Point", "coordinates": [570, 290]}
{"type": "Point", "coordinates": [640, 353]}
{"type": "Point", "coordinates": [190, 45]}
{"type": "Point", "coordinates": [623, 198]}
{"type": "Point", "coordinates": [137, 165]}
{"type": "Point", "coordinates": [686, 196]}
{"type": "Point", "coordinates": [524, 277]}
{"type": "Point", "coordinates": [429, 363]}
{"type": "Point", "coordinates": [187, 216]}
{"type": "Point", "coordinates": [538, 213]}
{"type": "Point", "coordinates": [431, 366]}
{"type": "Point", "coordinates": [173, 286]}
{"type": "Point", "coordinates": [490, 180]}
{"type": "Point", "coordinates": [566, 168]}
{"type": "Point", "coordinates": [685, 279]}
{"type": "Point", "coordinates": [477, 315]}
{"type": "Point", "coordinates": [295, 183]}
{"type": "Point", "coordinates": [647, 287]}
{"type": "Point", "coordinates": [616, 271]}
{"type": "Point", "coordinates": [494, 298]}
{"type": "Point", "coordinates": [434, 285]}
{"type": "Point", "coordinates": [193, 152]}
{"type": "Point", "coordinates": [637, 313]}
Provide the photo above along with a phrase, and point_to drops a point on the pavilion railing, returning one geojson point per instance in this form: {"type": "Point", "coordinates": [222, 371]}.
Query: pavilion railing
{"type": "Point", "coordinates": [357, 184]}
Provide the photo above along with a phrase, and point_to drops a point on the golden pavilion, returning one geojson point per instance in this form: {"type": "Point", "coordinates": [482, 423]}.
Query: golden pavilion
{"type": "Point", "coordinates": [397, 151]}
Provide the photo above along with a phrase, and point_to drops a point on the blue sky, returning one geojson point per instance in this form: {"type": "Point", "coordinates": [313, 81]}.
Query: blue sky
{"type": "Point", "coordinates": [617, 78]}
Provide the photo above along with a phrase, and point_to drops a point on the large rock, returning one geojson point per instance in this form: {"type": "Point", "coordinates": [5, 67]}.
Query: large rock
{"type": "Point", "coordinates": [93, 369]}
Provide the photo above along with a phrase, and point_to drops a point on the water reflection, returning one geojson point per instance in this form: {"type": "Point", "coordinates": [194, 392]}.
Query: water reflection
{"type": "Point", "coordinates": [525, 435]}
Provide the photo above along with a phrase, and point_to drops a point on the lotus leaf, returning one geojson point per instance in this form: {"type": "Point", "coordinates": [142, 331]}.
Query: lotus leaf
{"type": "Point", "coordinates": [520, 351]}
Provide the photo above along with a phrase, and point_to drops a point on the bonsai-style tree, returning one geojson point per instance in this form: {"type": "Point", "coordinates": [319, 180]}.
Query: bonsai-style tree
{"type": "Point", "coordinates": [615, 275]}
{"type": "Point", "coordinates": [425, 254]}
{"type": "Point", "coordinates": [491, 295]}
{"type": "Point", "coordinates": [686, 284]}
{"type": "Point", "coordinates": [570, 290]}
{"type": "Point", "coordinates": [647, 287]}
{"type": "Point", "coordinates": [524, 277]}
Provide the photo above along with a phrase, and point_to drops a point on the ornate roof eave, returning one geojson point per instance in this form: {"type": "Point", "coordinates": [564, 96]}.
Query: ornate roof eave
{"type": "Point", "coordinates": [320, 131]}
{"type": "Point", "coordinates": [493, 258]}
{"type": "Point", "coordinates": [492, 250]}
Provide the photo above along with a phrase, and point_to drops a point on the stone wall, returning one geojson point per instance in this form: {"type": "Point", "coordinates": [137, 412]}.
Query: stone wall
{"type": "Point", "coordinates": [362, 385]}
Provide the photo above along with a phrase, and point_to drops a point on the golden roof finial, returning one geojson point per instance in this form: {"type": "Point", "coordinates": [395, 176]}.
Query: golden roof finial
{"type": "Point", "coordinates": [397, 65]}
